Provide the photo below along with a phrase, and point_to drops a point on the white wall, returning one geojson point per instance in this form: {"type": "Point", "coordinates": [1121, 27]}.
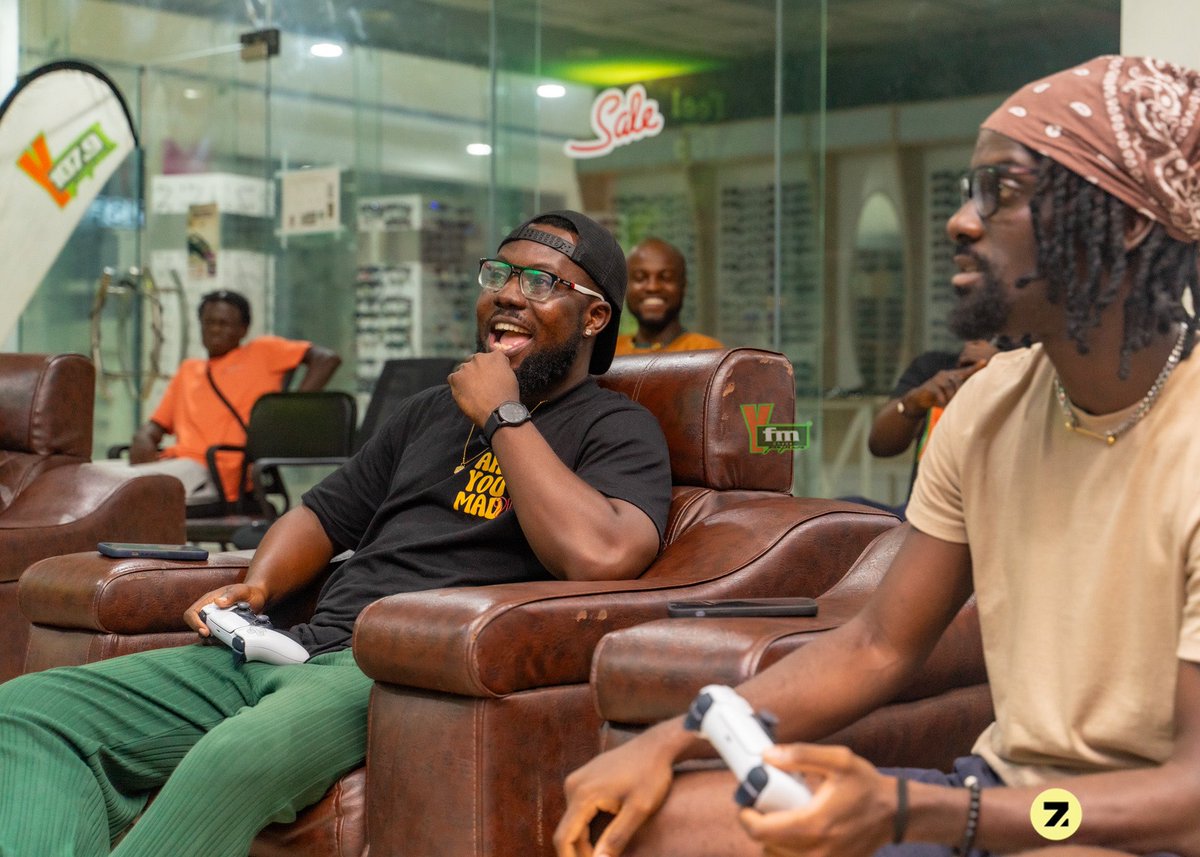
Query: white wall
{"type": "Point", "coordinates": [1165, 29]}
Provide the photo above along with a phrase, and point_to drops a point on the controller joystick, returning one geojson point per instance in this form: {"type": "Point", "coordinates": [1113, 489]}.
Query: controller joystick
{"type": "Point", "coordinates": [740, 736]}
{"type": "Point", "coordinates": [251, 636]}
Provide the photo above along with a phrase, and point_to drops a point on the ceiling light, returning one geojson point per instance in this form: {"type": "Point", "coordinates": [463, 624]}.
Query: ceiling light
{"type": "Point", "coordinates": [551, 90]}
{"type": "Point", "coordinates": [326, 50]}
{"type": "Point", "coordinates": [618, 71]}
{"type": "Point", "coordinates": [478, 149]}
{"type": "Point", "coordinates": [191, 94]}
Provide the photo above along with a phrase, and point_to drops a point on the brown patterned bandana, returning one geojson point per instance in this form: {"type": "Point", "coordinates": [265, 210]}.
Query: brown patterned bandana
{"type": "Point", "coordinates": [1127, 124]}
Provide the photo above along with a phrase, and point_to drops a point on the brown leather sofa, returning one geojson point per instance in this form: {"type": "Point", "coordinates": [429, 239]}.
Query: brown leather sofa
{"type": "Point", "coordinates": [482, 704]}
{"type": "Point", "coordinates": [651, 672]}
{"type": "Point", "coordinates": [52, 499]}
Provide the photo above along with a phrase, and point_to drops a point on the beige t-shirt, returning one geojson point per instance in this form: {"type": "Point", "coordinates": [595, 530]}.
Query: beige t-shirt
{"type": "Point", "coordinates": [1085, 562]}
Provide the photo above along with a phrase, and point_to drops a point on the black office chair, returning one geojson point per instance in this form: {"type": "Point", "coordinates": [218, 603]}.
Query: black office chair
{"type": "Point", "coordinates": [398, 380]}
{"type": "Point", "coordinates": [285, 430]}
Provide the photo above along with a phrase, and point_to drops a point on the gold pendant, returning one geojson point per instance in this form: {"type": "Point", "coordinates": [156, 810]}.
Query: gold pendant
{"type": "Point", "coordinates": [459, 468]}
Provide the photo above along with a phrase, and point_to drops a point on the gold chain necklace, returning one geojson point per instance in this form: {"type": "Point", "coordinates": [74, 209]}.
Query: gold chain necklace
{"type": "Point", "coordinates": [1143, 408]}
{"type": "Point", "coordinates": [461, 466]}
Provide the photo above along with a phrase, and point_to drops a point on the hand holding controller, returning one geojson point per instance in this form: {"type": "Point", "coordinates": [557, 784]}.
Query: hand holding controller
{"type": "Point", "coordinates": [251, 636]}
{"type": "Point", "coordinates": [741, 736]}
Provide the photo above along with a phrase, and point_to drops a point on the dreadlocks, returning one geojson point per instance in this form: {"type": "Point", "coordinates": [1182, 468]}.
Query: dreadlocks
{"type": "Point", "coordinates": [1082, 256]}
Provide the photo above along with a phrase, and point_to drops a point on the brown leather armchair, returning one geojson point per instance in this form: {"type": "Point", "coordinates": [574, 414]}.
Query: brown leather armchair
{"type": "Point", "coordinates": [651, 672]}
{"type": "Point", "coordinates": [482, 704]}
{"type": "Point", "coordinates": [52, 499]}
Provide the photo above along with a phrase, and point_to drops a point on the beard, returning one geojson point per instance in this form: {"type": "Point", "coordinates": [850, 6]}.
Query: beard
{"type": "Point", "coordinates": [982, 313]}
{"type": "Point", "coordinates": [545, 368]}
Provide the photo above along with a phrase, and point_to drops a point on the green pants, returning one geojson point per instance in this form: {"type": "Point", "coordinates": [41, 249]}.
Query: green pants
{"type": "Point", "coordinates": [232, 749]}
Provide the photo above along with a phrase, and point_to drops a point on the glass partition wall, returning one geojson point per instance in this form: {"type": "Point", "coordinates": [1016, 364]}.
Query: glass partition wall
{"type": "Point", "coordinates": [345, 165]}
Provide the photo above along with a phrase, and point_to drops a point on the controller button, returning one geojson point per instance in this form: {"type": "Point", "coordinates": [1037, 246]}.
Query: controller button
{"type": "Point", "coordinates": [750, 788]}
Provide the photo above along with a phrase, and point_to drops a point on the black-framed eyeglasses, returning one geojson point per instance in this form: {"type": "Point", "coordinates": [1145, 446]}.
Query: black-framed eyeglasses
{"type": "Point", "coordinates": [535, 285]}
{"type": "Point", "coordinates": [984, 186]}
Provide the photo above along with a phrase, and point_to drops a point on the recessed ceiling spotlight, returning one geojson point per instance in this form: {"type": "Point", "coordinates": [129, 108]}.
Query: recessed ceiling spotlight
{"type": "Point", "coordinates": [326, 50]}
{"type": "Point", "coordinates": [191, 94]}
{"type": "Point", "coordinates": [551, 90]}
{"type": "Point", "coordinates": [479, 149]}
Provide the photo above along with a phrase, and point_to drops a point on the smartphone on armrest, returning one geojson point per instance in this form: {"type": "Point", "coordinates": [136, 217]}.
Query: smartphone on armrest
{"type": "Point", "coordinates": [131, 549]}
{"type": "Point", "coordinates": [744, 607]}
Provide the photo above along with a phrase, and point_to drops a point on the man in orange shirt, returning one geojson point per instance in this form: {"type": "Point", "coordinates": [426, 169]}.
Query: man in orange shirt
{"type": "Point", "coordinates": [657, 282]}
{"type": "Point", "coordinates": [208, 401]}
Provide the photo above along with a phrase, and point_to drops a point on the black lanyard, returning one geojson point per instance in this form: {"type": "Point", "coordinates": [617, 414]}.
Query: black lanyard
{"type": "Point", "coordinates": [225, 401]}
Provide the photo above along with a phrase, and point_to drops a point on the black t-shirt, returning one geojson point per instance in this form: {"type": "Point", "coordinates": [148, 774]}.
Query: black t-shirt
{"type": "Point", "coordinates": [413, 523]}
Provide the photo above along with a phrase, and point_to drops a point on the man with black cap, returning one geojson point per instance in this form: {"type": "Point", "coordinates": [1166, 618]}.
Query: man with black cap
{"type": "Point", "coordinates": [522, 468]}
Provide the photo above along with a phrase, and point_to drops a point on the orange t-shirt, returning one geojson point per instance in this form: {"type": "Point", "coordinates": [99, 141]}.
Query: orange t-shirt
{"type": "Point", "coordinates": [191, 410]}
{"type": "Point", "coordinates": [683, 342]}
{"type": "Point", "coordinates": [931, 420]}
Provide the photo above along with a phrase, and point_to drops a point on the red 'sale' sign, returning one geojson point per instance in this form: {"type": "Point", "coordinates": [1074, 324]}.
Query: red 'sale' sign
{"type": "Point", "coordinates": [618, 119]}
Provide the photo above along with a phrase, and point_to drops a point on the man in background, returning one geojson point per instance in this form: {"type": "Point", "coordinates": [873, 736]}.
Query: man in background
{"type": "Point", "coordinates": [917, 402]}
{"type": "Point", "coordinates": [208, 401]}
{"type": "Point", "coordinates": [921, 394]}
{"type": "Point", "coordinates": [657, 283]}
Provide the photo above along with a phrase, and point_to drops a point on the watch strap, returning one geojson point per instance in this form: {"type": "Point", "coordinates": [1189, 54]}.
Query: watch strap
{"type": "Point", "coordinates": [496, 421]}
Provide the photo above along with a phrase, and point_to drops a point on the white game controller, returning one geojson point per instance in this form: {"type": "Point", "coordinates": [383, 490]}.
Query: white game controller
{"type": "Point", "coordinates": [251, 636]}
{"type": "Point", "coordinates": [740, 736]}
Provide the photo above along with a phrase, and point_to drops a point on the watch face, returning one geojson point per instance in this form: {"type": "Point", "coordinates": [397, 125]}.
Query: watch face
{"type": "Point", "coordinates": [512, 412]}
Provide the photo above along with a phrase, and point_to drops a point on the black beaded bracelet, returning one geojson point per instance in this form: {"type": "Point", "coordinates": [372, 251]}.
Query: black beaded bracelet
{"type": "Point", "coordinates": [900, 824]}
{"type": "Point", "coordinates": [972, 783]}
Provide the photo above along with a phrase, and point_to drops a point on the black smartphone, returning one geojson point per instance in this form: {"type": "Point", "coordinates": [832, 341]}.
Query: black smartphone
{"type": "Point", "coordinates": [129, 549]}
{"type": "Point", "coordinates": [744, 607]}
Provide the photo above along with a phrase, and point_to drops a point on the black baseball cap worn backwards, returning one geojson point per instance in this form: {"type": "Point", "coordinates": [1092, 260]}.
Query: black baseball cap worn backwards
{"type": "Point", "coordinates": [599, 254]}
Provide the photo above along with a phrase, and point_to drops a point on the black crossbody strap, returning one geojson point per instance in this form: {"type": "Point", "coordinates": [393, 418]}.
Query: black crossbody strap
{"type": "Point", "coordinates": [225, 401]}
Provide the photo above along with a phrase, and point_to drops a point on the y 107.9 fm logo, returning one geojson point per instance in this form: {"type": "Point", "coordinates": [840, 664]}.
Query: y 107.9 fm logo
{"type": "Point", "coordinates": [766, 436]}
{"type": "Point", "coordinates": [61, 175]}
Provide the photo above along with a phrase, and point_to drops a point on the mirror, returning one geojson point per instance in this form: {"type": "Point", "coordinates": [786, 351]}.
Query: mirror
{"type": "Point", "coordinates": [877, 293]}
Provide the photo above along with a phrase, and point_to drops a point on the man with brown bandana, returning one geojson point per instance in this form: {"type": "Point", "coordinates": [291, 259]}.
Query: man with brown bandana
{"type": "Point", "coordinates": [1059, 489]}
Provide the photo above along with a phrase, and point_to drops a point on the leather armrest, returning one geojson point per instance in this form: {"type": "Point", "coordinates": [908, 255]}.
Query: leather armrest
{"type": "Point", "coordinates": [88, 591]}
{"type": "Point", "coordinates": [652, 672]}
{"type": "Point", "coordinates": [496, 640]}
{"type": "Point", "coordinates": [73, 507]}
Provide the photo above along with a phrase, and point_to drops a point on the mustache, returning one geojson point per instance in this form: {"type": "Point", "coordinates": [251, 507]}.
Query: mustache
{"type": "Point", "coordinates": [984, 266]}
{"type": "Point", "coordinates": [506, 316]}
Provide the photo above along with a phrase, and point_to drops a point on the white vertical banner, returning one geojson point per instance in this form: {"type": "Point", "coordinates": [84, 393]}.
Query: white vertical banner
{"type": "Point", "coordinates": [10, 44]}
{"type": "Point", "coordinates": [64, 130]}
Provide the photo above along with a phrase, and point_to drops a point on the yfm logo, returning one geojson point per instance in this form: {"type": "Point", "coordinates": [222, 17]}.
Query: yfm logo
{"type": "Point", "coordinates": [766, 436]}
{"type": "Point", "coordinates": [61, 176]}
